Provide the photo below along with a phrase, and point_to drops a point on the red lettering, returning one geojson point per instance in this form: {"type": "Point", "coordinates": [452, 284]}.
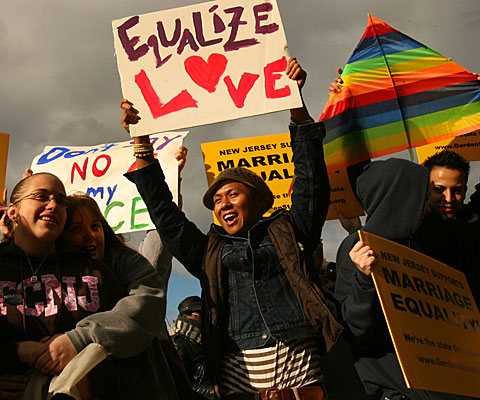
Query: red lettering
{"type": "Point", "coordinates": [157, 108]}
{"type": "Point", "coordinates": [271, 77]}
{"type": "Point", "coordinates": [82, 172]}
{"type": "Point", "coordinates": [100, 172]}
{"type": "Point", "coordinates": [239, 94]}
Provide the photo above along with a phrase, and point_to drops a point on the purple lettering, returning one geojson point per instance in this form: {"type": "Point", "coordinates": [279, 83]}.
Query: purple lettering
{"type": "Point", "coordinates": [187, 38]}
{"type": "Point", "coordinates": [127, 43]}
{"type": "Point", "coordinates": [197, 22]}
{"type": "Point", "coordinates": [167, 141]}
{"type": "Point", "coordinates": [264, 29]}
{"type": "Point", "coordinates": [217, 21]}
{"type": "Point", "coordinates": [153, 43]}
{"type": "Point", "coordinates": [232, 44]}
{"type": "Point", "coordinates": [163, 36]}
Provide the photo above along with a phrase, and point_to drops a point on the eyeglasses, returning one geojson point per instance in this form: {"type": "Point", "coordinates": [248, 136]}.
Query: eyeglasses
{"type": "Point", "coordinates": [46, 198]}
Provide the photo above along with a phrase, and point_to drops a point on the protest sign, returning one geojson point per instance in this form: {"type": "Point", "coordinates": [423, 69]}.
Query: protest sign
{"type": "Point", "coordinates": [270, 157]}
{"type": "Point", "coordinates": [4, 139]}
{"type": "Point", "coordinates": [98, 171]}
{"type": "Point", "coordinates": [431, 316]}
{"type": "Point", "coordinates": [205, 63]}
{"type": "Point", "coordinates": [468, 146]}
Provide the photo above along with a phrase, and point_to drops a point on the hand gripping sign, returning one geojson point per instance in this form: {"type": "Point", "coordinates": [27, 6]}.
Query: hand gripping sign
{"type": "Point", "coordinates": [432, 318]}
{"type": "Point", "coordinates": [98, 171]}
{"type": "Point", "coordinates": [205, 63]}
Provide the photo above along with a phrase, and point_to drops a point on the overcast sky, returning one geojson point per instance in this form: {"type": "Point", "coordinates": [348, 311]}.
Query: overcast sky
{"type": "Point", "coordinates": [60, 85]}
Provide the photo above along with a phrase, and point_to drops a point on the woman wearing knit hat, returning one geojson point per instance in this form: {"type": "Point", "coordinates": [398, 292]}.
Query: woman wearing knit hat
{"type": "Point", "coordinates": [260, 297]}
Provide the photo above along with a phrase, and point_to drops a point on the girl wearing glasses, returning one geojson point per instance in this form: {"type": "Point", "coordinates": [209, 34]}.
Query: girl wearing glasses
{"type": "Point", "coordinates": [45, 291]}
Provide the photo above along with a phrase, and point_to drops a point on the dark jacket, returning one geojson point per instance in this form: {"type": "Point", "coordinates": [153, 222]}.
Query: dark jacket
{"type": "Point", "coordinates": [454, 241]}
{"type": "Point", "coordinates": [201, 254]}
{"type": "Point", "coordinates": [70, 287]}
{"type": "Point", "coordinates": [393, 193]}
{"type": "Point", "coordinates": [188, 342]}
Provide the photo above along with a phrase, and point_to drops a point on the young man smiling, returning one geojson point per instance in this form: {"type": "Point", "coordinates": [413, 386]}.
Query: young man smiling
{"type": "Point", "coordinates": [450, 232]}
{"type": "Point", "coordinates": [260, 296]}
{"type": "Point", "coordinates": [448, 177]}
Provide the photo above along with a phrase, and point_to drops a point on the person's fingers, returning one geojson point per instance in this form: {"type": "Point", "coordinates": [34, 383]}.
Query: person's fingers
{"type": "Point", "coordinates": [334, 86]}
{"type": "Point", "coordinates": [367, 250]}
{"type": "Point", "coordinates": [292, 71]}
{"type": "Point", "coordinates": [8, 395]}
{"type": "Point", "coordinates": [125, 104]}
{"type": "Point", "coordinates": [291, 64]}
{"type": "Point", "coordinates": [28, 172]}
{"type": "Point", "coordinates": [45, 364]}
{"type": "Point", "coordinates": [12, 378]}
{"type": "Point", "coordinates": [10, 383]}
{"type": "Point", "coordinates": [42, 360]}
{"type": "Point", "coordinates": [358, 246]}
{"type": "Point", "coordinates": [50, 368]}
{"type": "Point", "coordinates": [295, 73]}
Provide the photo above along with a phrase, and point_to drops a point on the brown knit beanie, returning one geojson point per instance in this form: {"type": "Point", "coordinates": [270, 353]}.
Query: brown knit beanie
{"type": "Point", "coordinates": [243, 175]}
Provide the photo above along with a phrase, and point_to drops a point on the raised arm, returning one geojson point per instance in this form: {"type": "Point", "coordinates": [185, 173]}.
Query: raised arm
{"type": "Point", "coordinates": [180, 236]}
{"type": "Point", "coordinates": [151, 246]}
{"type": "Point", "coordinates": [311, 188]}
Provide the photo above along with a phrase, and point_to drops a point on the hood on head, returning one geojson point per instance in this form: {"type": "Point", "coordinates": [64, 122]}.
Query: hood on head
{"type": "Point", "coordinates": [393, 193]}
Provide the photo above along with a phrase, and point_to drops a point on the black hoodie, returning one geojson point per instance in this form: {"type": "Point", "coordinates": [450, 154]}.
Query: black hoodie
{"type": "Point", "coordinates": [393, 194]}
{"type": "Point", "coordinates": [70, 287]}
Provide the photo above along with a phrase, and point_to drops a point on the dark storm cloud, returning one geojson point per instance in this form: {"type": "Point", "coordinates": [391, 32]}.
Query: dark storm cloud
{"type": "Point", "coordinates": [59, 81]}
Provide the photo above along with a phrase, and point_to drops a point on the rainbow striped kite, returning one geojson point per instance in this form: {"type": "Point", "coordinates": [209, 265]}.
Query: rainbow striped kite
{"type": "Point", "coordinates": [397, 94]}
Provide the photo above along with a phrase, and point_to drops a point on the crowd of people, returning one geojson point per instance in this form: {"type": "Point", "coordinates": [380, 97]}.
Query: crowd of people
{"type": "Point", "coordinates": [82, 314]}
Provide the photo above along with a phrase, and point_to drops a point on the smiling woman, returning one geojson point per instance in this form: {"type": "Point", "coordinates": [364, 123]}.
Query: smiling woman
{"type": "Point", "coordinates": [84, 227]}
{"type": "Point", "coordinates": [50, 286]}
{"type": "Point", "coordinates": [38, 209]}
{"type": "Point", "coordinates": [134, 331]}
{"type": "Point", "coordinates": [43, 291]}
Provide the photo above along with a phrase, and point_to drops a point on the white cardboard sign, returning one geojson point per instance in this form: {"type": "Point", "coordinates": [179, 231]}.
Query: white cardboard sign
{"type": "Point", "coordinates": [98, 171]}
{"type": "Point", "coordinates": [205, 63]}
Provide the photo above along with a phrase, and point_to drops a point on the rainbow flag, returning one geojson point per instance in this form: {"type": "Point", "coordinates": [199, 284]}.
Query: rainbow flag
{"type": "Point", "coordinates": [397, 94]}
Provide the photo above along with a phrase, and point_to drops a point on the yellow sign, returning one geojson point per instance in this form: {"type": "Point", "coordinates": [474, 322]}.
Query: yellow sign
{"type": "Point", "coordinates": [431, 316]}
{"type": "Point", "coordinates": [4, 139]}
{"type": "Point", "coordinates": [271, 157]}
{"type": "Point", "coordinates": [468, 146]}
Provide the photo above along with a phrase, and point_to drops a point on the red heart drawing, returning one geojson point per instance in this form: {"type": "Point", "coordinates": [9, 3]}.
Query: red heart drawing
{"type": "Point", "coordinates": [206, 74]}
